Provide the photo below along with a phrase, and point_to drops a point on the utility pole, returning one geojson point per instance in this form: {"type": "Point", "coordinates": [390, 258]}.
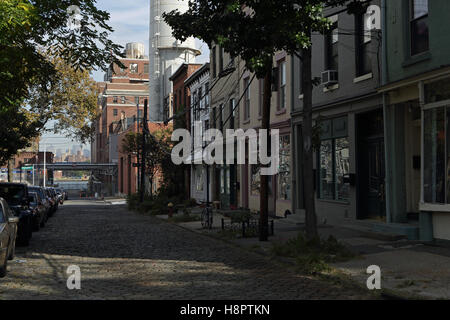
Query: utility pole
{"type": "Point", "coordinates": [144, 133]}
{"type": "Point", "coordinates": [137, 157]}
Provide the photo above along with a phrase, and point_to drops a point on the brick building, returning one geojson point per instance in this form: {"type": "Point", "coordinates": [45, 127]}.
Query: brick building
{"type": "Point", "coordinates": [122, 96]}
{"type": "Point", "coordinates": [182, 100]}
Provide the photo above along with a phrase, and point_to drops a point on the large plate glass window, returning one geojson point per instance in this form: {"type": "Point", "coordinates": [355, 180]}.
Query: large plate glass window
{"type": "Point", "coordinates": [334, 160]}
{"type": "Point", "coordinates": [436, 146]}
{"type": "Point", "coordinates": [284, 174]}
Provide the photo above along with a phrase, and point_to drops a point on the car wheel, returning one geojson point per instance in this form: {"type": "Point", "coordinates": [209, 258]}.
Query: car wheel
{"type": "Point", "coordinates": [3, 268]}
{"type": "Point", "coordinates": [12, 254]}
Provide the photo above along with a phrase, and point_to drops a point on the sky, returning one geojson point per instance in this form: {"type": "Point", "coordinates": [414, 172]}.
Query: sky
{"type": "Point", "coordinates": [130, 21]}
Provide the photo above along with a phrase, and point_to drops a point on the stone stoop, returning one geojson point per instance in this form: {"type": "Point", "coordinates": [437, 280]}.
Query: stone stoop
{"type": "Point", "coordinates": [385, 231]}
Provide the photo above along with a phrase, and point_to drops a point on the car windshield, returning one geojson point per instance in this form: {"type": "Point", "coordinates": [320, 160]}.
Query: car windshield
{"type": "Point", "coordinates": [34, 196]}
{"type": "Point", "coordinates": [35, 190]}
{"type": "Point", "coordinates": [12, 194]}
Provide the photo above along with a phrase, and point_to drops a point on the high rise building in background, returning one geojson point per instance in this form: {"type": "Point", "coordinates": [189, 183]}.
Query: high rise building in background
{"type": "Point", "coordinates": [166, 55]}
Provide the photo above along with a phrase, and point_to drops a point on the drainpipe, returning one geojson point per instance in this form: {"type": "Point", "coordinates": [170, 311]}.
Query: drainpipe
{"type": "Point", "coordinates": [293, 141]}
{"type": "Point", "coordinates": [384, 76]}
{"type": "Point", "coordinates": [387, 135]}
{"type": "Point", "coordinates": [387, 153]}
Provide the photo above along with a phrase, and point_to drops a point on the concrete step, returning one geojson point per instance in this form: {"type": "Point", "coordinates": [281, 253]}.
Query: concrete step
{"type": "Point", "coordinates": [384, 231]}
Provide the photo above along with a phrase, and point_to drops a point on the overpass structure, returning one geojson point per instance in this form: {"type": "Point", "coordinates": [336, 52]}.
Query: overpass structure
{"type": "Point", "coordinates": [97, 170]}
{"type": "Point", "coordinates": [105, 168]}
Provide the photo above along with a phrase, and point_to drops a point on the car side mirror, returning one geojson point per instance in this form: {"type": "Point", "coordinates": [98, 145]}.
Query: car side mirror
{"type": "Point", "coordinates": [13, 220]}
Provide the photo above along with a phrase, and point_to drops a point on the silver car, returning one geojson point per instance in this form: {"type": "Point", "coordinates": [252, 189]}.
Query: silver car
{"type": "Point", "coordinates": [8, 234]}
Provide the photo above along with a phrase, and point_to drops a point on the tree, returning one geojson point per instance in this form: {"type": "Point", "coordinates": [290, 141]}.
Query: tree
{"type": "Point", "coordinates": [30, 31]}
{"type": "Point", "coordinates": [71, 101]}
{"type": "Point", "coordinates": [255, 30]}
{"type": "Point", "coordinates": [157, 155]}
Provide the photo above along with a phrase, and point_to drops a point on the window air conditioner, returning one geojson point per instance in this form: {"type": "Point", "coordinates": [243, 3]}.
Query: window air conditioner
{"type": "Point", "coordinates": [329, 77]}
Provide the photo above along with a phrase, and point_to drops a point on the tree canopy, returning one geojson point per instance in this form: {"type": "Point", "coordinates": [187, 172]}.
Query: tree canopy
{"type": "Point", "coordinates": [252, 29]}
{"type": "Point", "coordinates": [30, 31]}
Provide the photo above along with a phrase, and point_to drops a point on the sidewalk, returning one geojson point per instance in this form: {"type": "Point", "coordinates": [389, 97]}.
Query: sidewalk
{"type": "Point", "coordinates": [407, 267]}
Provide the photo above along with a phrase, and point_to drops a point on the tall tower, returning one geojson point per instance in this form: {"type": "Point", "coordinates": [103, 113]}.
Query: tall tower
{"type": "Point", "coordinates": [166, 54]}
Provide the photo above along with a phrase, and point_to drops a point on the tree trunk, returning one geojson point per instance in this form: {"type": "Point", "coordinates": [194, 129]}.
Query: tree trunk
{"type": "Point", "coordinates": [308, 173]}
{"type": "Point", "coordinates": [264, 188]}
{"type": "Point", "coordinates": [10, 170]}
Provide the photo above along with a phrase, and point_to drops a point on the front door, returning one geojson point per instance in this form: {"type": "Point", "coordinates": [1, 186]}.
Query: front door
{"type": "Point", "coordinates": [376, 205]}
{"type": "Point", "coordinates": [371, 166]}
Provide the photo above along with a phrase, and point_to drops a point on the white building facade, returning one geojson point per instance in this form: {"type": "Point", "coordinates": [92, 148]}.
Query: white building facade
{"type": "Point", "coordinates": [198, 83]}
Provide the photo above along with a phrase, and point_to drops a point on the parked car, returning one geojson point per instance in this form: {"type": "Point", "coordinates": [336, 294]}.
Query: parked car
{"type": "Point", "coordinates": [16, 195]}
{"type": "Point", "coordinates": [60, 194]}
{"type": "Point", "coordinates": [44, 199]}
{"type": "Point", "coordinates": [55, 197]}
{"type": "Point", "coordinates": [53, 202]}
{"type": "Point", "coordinates": [8, 235]}
{"type": "Point", "coordinates": [38, 210]}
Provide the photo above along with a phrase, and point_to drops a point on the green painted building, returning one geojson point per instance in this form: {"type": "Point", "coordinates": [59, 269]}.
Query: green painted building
{"type": "Point", "coordinates": [416, 103]}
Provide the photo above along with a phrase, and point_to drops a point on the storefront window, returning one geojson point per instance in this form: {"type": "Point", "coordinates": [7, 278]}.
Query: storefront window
{"type": "Point", "coordinates": [436, 142]}
{"type": "Point", "coordinates": [326, 170]}
{"type": "Point", "coordinates": [437, 91]}
{"type": "Point", "coordinates": [434, 155]}
{"type": "Point", "coordinates": [334, 160]}
{"type": "Point", "coordinates": [255, 179]}
{"type": "Point", "coordinates": [284, 174]}
{"type": "Point", "coordinates": [199, 178]}
{"type": "Point", "coordinates": [342, 168]}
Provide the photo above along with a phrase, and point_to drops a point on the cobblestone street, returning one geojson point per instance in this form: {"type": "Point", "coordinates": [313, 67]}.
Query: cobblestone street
{"type": "Point", "coordinates": [123, 255]}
